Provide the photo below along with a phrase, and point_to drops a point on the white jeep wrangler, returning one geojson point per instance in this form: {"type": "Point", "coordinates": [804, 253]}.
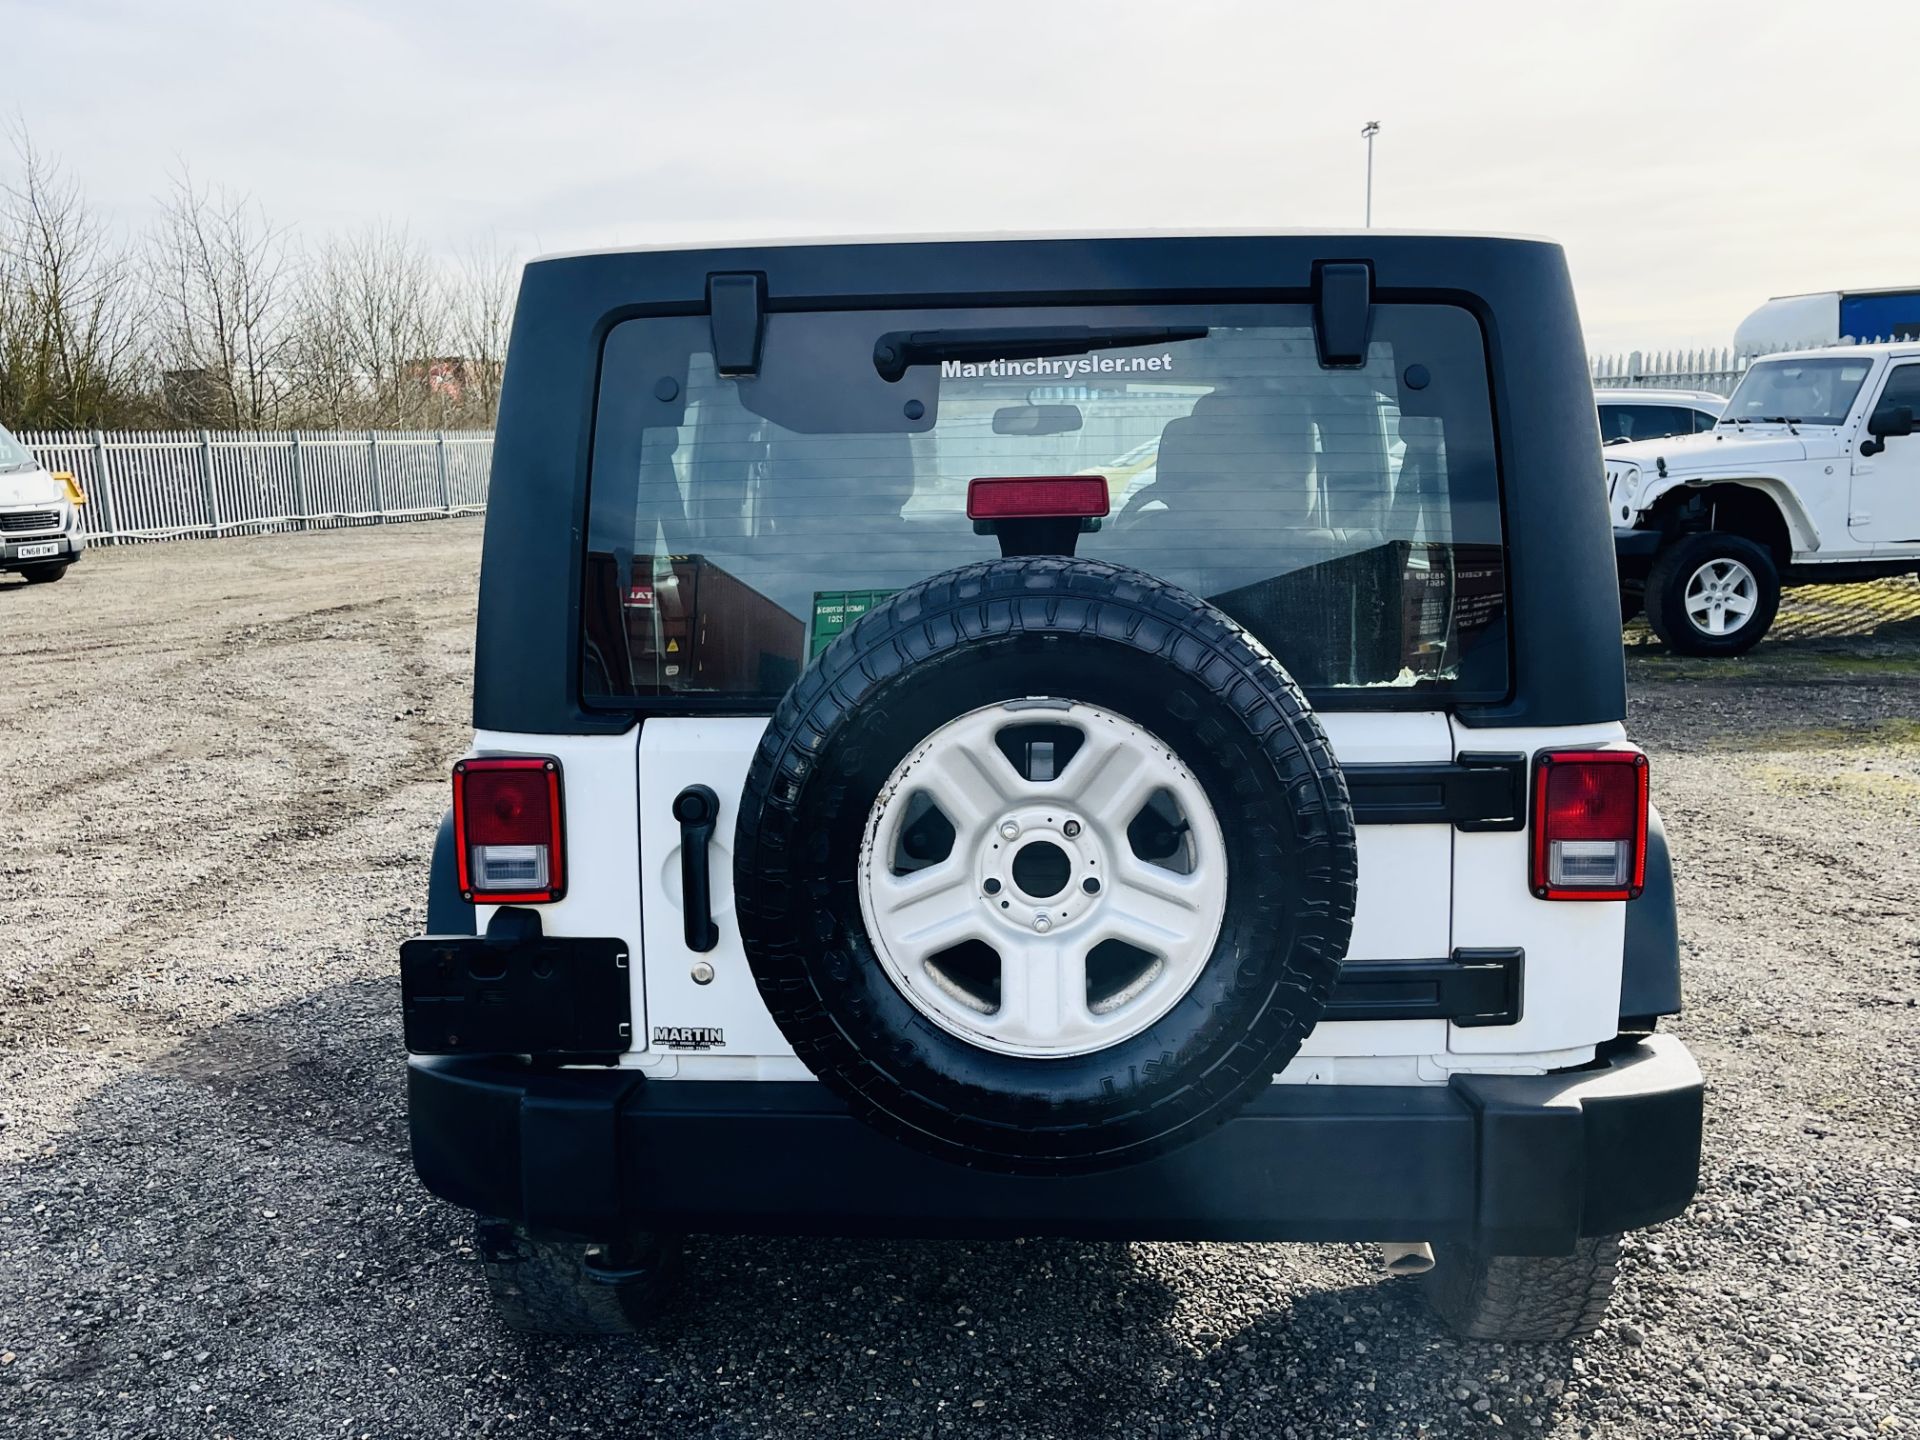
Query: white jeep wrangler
{"type": "Point", "coordinates": [873, 826]}
{"type": "Point", "coordinates": [1812, 475]}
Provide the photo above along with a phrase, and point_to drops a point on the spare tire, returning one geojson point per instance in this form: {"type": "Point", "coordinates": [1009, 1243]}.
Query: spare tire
{"type": "Point", "coordinates": [1045, 866]}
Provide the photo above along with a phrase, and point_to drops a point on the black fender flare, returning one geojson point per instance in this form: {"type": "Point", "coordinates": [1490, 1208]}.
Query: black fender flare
{"type": "Point", "coordinates": [448, 912]}
{"type": "Point", "coordinates": [1650, 968]}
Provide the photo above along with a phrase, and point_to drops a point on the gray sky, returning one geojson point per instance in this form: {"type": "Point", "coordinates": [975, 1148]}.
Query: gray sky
{"type": "Point", "coordinates": [1694, 158]}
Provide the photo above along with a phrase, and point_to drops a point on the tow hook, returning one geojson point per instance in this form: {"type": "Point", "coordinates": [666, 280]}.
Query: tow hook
{"type": "Point", "coordinates": [1407, 1257]}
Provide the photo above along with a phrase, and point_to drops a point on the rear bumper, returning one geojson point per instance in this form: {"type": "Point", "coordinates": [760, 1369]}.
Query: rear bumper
{"type": "Point", "coordinates": [1633, 552]}
{"type": "Point", "coordinates": [1513, 1164]}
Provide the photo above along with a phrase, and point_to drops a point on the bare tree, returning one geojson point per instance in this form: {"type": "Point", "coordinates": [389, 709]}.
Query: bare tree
{"type": "Point", "coordinates": [220, 318]}
{"type": "Point", "coordinates": [220, 276]}
{"type": "Point", "coordinates": [373, 325]}
{"type": "Point", "coordinates": [481, 308]}
{"type": "Point", "coordinates": [70, 304]}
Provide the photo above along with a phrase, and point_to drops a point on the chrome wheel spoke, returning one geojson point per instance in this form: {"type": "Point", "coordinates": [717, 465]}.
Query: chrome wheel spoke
{"type": "Point", "coordinates": [1043, 993]}
{"type": "Point", "coordinates": [928, 910]}
{"type": "Point", "coordinates": [1115, 787]}
{"type": "Point", "coordinates": [969, 783]}
{"type": "Point", "coordinates": [1155, 908]}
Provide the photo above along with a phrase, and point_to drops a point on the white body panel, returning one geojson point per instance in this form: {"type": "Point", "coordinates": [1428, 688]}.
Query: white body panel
{"type": "Point", "coordinates": [1424, 890]}
{"type": "Point", "coordinates": [1571, 995]}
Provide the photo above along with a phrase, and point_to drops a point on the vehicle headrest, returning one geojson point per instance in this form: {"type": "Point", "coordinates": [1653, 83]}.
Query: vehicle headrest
{"type": "Point", "coordinates": [1236, 442]}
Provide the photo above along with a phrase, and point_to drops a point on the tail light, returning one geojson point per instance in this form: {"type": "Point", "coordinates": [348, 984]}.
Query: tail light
{"type": "Point", "coordinates": [506, 822]}
{"type": "Point", "coordinates": [1589, 825]}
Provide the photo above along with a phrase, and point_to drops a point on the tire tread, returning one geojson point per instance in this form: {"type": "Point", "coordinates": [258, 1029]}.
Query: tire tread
{"type": "Point", "coordinates": [549, 1287]}
{"type": "Point", "coordinates": [1524, 1297]}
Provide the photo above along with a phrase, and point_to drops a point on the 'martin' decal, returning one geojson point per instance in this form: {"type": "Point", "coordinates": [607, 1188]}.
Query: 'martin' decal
{"type": "Point", "coordinates": [689, 1037]}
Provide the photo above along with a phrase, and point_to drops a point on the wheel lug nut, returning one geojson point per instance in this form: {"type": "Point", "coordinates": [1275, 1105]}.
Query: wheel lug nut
{"type": "Point", "coordinates": [991, 886]}
{"type": "Point", "coordinates": [1009, 829]}
{"type": "Point", "coordinates": [1042, 924]}
{"type": "Point", "coordinates": [1090, 885]}
{"type": "Point", "coordinates": [1070, 829]}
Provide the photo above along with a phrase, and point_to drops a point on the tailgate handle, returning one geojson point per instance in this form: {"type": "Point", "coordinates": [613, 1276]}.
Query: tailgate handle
{"type": "Point", "coordinates": [696, 808]}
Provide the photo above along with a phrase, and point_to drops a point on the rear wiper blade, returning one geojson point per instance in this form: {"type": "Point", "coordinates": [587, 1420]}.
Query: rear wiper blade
{"type": "Point", "coordinates": [897, 350]}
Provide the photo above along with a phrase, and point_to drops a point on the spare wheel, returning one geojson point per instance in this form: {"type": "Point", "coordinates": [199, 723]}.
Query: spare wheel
{"type": "Point", "coordinates": [1045, 866]}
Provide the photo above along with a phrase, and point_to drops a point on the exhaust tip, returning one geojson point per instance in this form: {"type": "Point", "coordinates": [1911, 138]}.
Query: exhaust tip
{"type": "Point", "coordinates": [1407, 1257]}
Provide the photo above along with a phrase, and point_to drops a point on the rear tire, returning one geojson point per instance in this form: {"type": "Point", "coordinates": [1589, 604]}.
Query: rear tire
{"type": "Point", "coordinates": [551, 1287]}
{"type": "Point", "coordinates": [1681, 586]}
{"type": "Point", "coordinates": [44, 574]}
{"type": "Point", "coordinates": [1523, 1297]}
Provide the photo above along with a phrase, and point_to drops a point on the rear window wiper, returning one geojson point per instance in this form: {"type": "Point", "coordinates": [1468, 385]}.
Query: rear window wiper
{"type": "Point", "coordinates": [897, 350]}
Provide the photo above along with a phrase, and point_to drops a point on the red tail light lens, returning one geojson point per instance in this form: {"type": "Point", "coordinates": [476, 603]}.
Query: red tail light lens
{"type": "Point", "coordinates": [506, 820]}
{"type": "Point", "coordinates": [1589, 825]}
{"type": "Point", "coordinates": [1037, 497]}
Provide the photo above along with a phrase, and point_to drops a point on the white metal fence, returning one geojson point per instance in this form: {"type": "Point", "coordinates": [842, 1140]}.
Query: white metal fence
{"type": "Point", "coordinates": [1715, 370]}
{"type": "Point", "coordinates": [166, 485]}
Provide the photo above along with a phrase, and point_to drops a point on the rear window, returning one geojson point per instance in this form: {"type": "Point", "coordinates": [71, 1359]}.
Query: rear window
{"type": "Point", "coordinates": [1350, 519]}
{"type": "Point", "coordinates": [13, 454]}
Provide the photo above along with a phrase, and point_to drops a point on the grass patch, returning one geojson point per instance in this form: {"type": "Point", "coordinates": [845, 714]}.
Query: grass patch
{"type": "Point", "coordinates": [1888, 733]}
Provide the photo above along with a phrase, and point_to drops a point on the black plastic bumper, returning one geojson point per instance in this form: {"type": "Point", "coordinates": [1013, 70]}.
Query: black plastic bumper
{"type": "Point", "coordinates": [1633, 552]}
{"type": "Point", "coordinates": [1515, 1164]}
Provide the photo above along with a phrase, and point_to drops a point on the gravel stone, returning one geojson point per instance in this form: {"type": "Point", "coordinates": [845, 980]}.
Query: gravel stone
{"type": "Point", "coordinates": [217, 834]}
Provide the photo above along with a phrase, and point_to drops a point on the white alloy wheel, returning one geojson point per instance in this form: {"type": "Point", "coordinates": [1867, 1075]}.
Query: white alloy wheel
{"type": "Point", "coordinates": [1004, 888]}
{"type": "Point", "coordinates": [1721, 596]}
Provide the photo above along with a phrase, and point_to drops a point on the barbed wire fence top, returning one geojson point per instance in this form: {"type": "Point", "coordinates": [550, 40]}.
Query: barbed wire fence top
{"type": "Point", "coordinates": [170, 485]}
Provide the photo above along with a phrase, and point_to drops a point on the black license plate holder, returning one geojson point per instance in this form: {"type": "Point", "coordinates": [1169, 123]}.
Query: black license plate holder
{"type": "Point", "coordinates": [559, 996]}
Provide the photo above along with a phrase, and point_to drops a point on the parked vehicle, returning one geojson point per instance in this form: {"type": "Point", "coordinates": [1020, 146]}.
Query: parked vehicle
{"type": "Point", "coordinates": [40, 531]}
{"type": "Point", "coordinates": [1655, 414]}
{"type": "Point", "coordinates": [1811, 476]}
{"type": "Point", "coordinates": [1829, 316]}
{"type": "Point", "coordinates": [948, 865]}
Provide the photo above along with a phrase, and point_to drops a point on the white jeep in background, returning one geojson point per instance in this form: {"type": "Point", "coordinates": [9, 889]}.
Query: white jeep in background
{"type": "Point", "coordinates": [1811, 476]}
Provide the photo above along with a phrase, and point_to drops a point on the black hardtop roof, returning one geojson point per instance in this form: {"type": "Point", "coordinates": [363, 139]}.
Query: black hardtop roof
{"type": "Point", "coordinates": [989, 265]}
{"type": "Point", "coordinates": [1564, 630]}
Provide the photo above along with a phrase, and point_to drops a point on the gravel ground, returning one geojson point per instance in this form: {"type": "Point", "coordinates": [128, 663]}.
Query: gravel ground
{"type": "Point", "coordinates": [223, 763]}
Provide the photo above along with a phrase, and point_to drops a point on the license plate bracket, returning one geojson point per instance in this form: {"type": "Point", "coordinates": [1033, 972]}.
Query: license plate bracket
{"type": "Point", "coordinates": [551, 996]}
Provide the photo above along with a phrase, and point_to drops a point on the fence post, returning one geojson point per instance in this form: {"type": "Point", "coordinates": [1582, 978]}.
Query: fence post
{"type": "Point", "coordinates": [206, 480]}
{"type": "Point", "coordinates": [104, 484]}
{"type": "Point", "coordinates": [379, 492]}
{"type": "Point", "coordinates": [446, 492]}
{"type": "Point", "coordinates": [299, 486]}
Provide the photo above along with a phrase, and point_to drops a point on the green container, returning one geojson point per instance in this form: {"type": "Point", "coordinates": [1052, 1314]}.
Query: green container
{"type": "Point", "coordinates": [835, 610]}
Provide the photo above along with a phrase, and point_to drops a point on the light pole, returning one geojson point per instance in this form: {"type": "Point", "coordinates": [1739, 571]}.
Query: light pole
{"type": "Point", "coordinates": [1367, 132]}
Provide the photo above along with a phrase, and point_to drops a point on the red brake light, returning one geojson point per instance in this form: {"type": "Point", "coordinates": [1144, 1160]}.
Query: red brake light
{"type": "Point", "coordinates": [1589, 825]}
{"type": "Point", "coordinates": [507, 830]}
{"type": "Point", "coordinates": [1037, 497]}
